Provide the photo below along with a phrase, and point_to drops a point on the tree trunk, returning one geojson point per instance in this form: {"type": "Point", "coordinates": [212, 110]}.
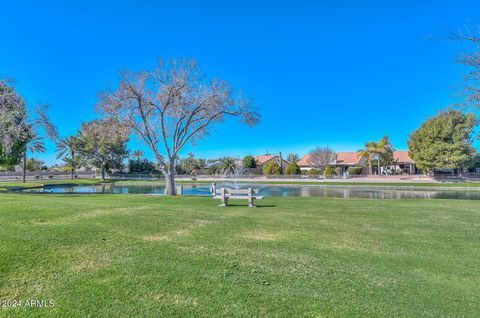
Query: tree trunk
{"type": "Point", "coordinates": [102, 170]}
{"type": "Point", "coordinates": [370, 170]}
{"type": "Point", "coordinates": [170, 178]}
{"type": "Point", "coordinates": [73, 165]}
{"type": "Point", "coordinates": [24, 175]}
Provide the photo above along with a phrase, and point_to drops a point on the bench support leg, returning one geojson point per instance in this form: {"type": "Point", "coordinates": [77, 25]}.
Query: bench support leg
{"type": "Point", "coordinates": [224, 198]}
{"type": "Point", "coordinates": [251, 200]}
{"type": "Point", "coordinates": [224, 202]}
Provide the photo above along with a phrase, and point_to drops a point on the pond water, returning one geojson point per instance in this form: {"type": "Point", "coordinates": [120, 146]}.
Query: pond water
{"type": "Point", "coordinates": [275, 191]}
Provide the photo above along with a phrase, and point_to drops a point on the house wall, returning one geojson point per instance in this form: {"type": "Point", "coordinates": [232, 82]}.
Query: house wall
{"type": "Point", "coordinates": [344, 166]}
{"type": "Point", "coordinates": [254, 171]}
{"type": "Point", "coordinates": [400, 167]}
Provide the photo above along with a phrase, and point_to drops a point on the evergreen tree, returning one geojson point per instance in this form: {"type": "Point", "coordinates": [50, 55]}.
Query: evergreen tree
{"type": "Point", "coordinates": [103, 143]}
{"type": "Point", "coordinates": [443, 141]}
{"type": "Point", "coordinates": [249, 162]}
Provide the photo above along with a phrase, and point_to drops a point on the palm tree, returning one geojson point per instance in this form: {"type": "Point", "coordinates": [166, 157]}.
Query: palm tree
{"type": "Point", "coordinates": [33, 144]}
{"type": "Point", "coordinates": [373, 149]}
{"type": "Point", "coordinates": [293, 158]}
{"type": "Point", "coordinates": [66, 149]}
{"type": "Point", "coordinates": [199, 165]}
{"type": "Point", "coordinates": [137, 154]}
{"type": "Point", "coordinates": [370, 149]}
{"type": "Point", "coordinates": [227, 165]}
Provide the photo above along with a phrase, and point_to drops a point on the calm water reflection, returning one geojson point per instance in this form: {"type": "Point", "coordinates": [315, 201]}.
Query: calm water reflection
{"type": "Point", "coordinates": [276, 191]}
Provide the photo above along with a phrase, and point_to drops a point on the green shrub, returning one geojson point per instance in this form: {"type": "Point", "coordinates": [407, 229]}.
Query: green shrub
{"type": "Point", "coordinates": [249, 162]}
{"type": "Point", "coordinates": [313, 172]}
{"type": "Point", "coordinates": [354, 170]}
{"type": "Point", "coordinates": [338, 170]}
{"type": "Point", "coordinates": [328, 171]}
{"type": "Point", "coordinates": [271, 168]}
{"type": "Point", "coordinates": [292, 168]}
{"type": "Point", "coordinates": [141, 166]}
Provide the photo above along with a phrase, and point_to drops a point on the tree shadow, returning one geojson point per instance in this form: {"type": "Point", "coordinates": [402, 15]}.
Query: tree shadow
{"type": "Point", "coordinates": [256, 206]}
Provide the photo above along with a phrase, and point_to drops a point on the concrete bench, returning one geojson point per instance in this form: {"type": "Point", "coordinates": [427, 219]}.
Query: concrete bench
{"type": "Point", "coordinates": [245, 194]}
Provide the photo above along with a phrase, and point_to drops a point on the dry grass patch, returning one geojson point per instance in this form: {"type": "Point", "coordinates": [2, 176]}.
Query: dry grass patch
{"type": "Point", "coordinates": [18, 286]}
{"type": "Point", "coordinates": [87, 259]}
{"type": "Point", "coordinates": [89, 263]}
{"type": "Point", "coordinates": [178, 300]}
{"type": "Point", "coordinates": [177, 233]}
{"type": "Point", "coordinates": [261, 236]}
{"type": "Point", "coordinates": [90, 215]}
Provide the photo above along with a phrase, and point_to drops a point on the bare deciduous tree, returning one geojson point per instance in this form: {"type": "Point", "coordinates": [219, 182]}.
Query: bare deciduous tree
{"type": "Point", "coordinates": [322, 156]}
{"type": "Point", "coordinates": [293, 158]}
{"type": "Point", "coordinates": [171, 105]}
{"type": "Point", "coordinates": [471, 59]}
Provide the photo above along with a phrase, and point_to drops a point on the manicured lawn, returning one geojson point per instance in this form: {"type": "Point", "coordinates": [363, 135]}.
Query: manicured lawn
{"type": "Point", "coordinates": [406, 184]}
{"type": "Point", "coordinates": [150, 256]}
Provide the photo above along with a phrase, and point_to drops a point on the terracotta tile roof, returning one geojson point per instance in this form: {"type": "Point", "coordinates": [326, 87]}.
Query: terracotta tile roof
{"type": "Point", "coordinates": [305, 161]}
{"type": "Point", "coordinates": [262, 159]}
{"type": "Point", "coordinates": [345, 158]}
{"type": "Point", "coordinates": [402, 156]}
{"type": "Point", "coordinates": [348, 158]}
{"type": "Point", "coordinates": [351, 158]}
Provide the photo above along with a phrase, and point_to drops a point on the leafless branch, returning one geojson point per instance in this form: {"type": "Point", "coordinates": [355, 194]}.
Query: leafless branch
{"type": "Point", "coordinates": [173, 103]}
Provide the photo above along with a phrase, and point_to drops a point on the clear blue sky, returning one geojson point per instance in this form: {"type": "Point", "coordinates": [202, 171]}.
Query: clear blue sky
{"type": "Point", "coordinates": [336, 73]}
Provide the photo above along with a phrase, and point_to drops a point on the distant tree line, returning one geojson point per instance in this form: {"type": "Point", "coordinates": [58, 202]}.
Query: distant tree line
{"type": "Point", "coordinates": [175, 103]}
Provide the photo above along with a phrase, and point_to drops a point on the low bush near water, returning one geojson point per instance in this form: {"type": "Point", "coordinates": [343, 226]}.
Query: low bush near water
{"type": "Point", "coordinates": [354, 170]}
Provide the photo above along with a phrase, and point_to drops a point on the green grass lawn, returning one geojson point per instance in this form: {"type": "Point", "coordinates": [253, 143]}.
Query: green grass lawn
{"type": "Point", "coordinates": [151, 256]}
{"type": "Point", "coordinates": [405, 184]}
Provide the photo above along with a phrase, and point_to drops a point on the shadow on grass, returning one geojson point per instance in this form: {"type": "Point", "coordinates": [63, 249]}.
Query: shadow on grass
{"type": "Point", "coordinates": [256, 206]}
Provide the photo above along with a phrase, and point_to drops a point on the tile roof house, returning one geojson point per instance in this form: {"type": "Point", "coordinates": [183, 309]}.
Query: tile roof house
{"type": "Point", "coordinates": [342, 159]}
{"type": "Point", "coordinates": [404, 164]}
{"type": "Point", "coordinates": [351, 159]}
{"type": "Point", "coordinates": [305, 161]}
{"type": "Point", "coordinates": [261, 160]}
{"type": "Point", "coordinates": [402, 157]}
{"type": "Point", "coordinates": [264, 159]}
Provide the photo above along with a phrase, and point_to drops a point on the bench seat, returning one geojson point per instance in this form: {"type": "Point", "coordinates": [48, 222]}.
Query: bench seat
{"type": "Point", "coordinates": [238, 194]}
{"type": "Point", "coordinates": [244, 197]}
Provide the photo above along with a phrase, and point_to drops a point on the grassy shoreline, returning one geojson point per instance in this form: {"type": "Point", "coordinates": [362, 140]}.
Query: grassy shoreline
{"type": "Point", "coordinates": [137, 255]}
{"type": "Point", "coordinates": [319, 183]}
{"type": "Point", "coordinates": [5, 186]}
